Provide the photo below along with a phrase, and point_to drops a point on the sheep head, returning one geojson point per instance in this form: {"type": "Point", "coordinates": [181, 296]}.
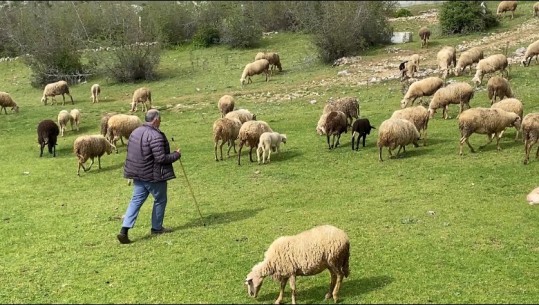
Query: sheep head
{"type": "Point", "coordinates": [254, 283]}
{"type": "Point", "coordinates": [16, 109]}
{"type": "Point", "coordinates": [110, 147]}
{"type": "Point", "coordinates": [283, 138]}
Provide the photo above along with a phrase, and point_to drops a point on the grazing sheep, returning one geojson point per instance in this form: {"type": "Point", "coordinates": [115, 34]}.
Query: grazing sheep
{"type": "Point", "coordinates": [468, 58]}
{"type": "Point", "coordinates": [47, 134]}
{"type": "Point", "coordinates": [498, 87]}
{"type": "Point", "coordinates": [336, 124]}
{"type": "Point", "coordinates": [321, 125]}
{"type": "Point", "coordinates": [243, 115]}
{"type": "Point", "coordinates": [446, 58]}
{"type": "Point", "coordinates": [141, 95]}
{"type": "Point", "coordinates": [489, 121]}
{"type": "Point", "coordinates": [254, 68]}
{"type": "Point", "coordinates": [396, 132]}
{"type": "Point", "coordinates": [407, 68]}
{"type": "Point", "coordinates": [249, 134]}
{"type": "Point", "coordinates": [490, 64]}
{"type": "Point", "coordinates": [75, 114]}
{"type": "Point", "coordinates": [536, 9]}
{"type": "Point", "coordinates": [54, 89]}
{"type": "Point", "coordinates": [531, 51]}
{"type": "Point", "coordinates": [104, 122]}
{"type": "Point", "coordinates": [530, 134]}
{"type": "Point", "coordinates": [268, 142]}
{"type": "Point", "coordinates": [511, 105]}
{"type": "Point", "coordinates": [506, 6]}
{"type": "Point", "coordinates": [348, 105]}
{"type": "Point", "coordinates": [95, 91]}
{"type": "Point", "coordinates": [418, 115]}
{"type": "Point", "coordinates": [424, 34]}
{"type": "Point", "coordinates": [91, 146]}
{"type": "Point", "coordinates": [63, 118]}
{"type": "Point", "coordinates": [455, 93]}
{"type": "Point", "coordinates": [425, 87]}
{"type": "Point", "coordinates": [307, 253]}
{"type": "Point", "coordinates": [273, 59]}
{"type": "Point", "coordinates": [361, 127]}
{"type": "Point", "coordinates": [225, 130]}
{"type": "Point", "coordinates": [225, 104]}
{"type": "Point", "coordinates": [121, 125]}
{"type": "Point", "coordinates": [7, 101]}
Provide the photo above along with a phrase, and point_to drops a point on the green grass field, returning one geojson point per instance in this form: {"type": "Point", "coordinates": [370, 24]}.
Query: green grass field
{"type": "Point", "coordinates": [429, 227]}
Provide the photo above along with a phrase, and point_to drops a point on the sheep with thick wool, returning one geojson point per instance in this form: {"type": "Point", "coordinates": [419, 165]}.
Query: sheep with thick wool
{"type": "Point", "coordinates": [142, 96]}
{"type": "Point", "coordinates": [95, 91]}
{"type": "Point", "coordinates": [361, 128]}
{"type": "Point", "coordinates": [104, 122]}
{"type": "Point", "coordinates": [63, 118]}
{"type": "Point", "coordinates": [396, 132]}
{"type": "Point", "coordinates": [348, 105]}
{"type": "Point", "coordinates": [249, 134]}
{"type": "Point", "coordinates": [121, 125]}
{"type": "Point", "coordinates": [467, 59]}
{"type": "Point", "coordinates": [321, 125]}
{"type": "Point", "coordinates": [90, 146]}
{"type": "Point", "coordinates": [424, 34]}
{"type": "Point", "coordinates": [75, 114]}
{"type": "Point", "coordinates": [491, 64]}
{"type": "Point", "coordinates": [498, 87]}
{"type": "Point", "coordinates": [272, 57]}
{"type": "Point", "coordinates": [447, 58]}
{"type": "Point", "coordinates": [47, 134]}
{"type": "Point", "coordinates": [225, 104]}
{"type": "Point", "coordinates": [506, 6]}
{"type": "Point", "coordinates": [530, 134]}
{"type": "Point", "coordinates": [53, 89]}
{"type": "Point", "coordinates": [459, 93]}
{"type": "Point", "coordinates": [255, 68]}
{"type": "Point", "coordinates": [336, 124]}
{"type": "Point", "coordinates": [307, 253]}
{"type": "Point", "coordinates": [7, 101]}
{"type": "Point", "coordinates": [531, 51]}
{"type": "Point", "coordinates": [425, 87]}
{"type": "Point", "coordinates": [268, 142]}
{"type": "Point", "coordinates": [225, 130]}
{"type": "Point", "coordinates": [243, 115]}
{"type": "Point", "coordinates": [512, 105]}
{"type": "Point", "coordinates": [489, 121]}
{"type": "Point", "coordinates": [418, 115]}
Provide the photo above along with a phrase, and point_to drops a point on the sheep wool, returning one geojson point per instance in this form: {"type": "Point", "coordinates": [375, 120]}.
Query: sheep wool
{"type": "Point", "coordinates": [269, 141]}
{"type": "Point", "coordinates": [121, 125]}
{"type": "Point", "coordinates": [531, 51]}
{"type": "Point", "coordinates": [141, 96]}
{"type": "Point", "coordinates": [255, 68]}
{"type": "Point", "coordinates": [249, 134]}
{"type": "Point", "coordinates": [63, 118]}
{"type": "Point", "coordinates": [498, 87]}
{"type": "Point", "coordinates": [425, 87]}
{"type": "Point", "coordinates": [512, 105]}
{"type": "Point", "coordinates": [467, 59]}
{"type": "Point", "coordinates": [530, 134]}
{"type": "Point", "coordinates": [307, 253]}
{"type": "Point", "coordinates": [348, 105]}
{"type": "Point", "coordinates": [54, 89]}
{"type": "Point", "coordinates": [506, 6]}
{"type": "Point", "coordinates": [47, 134]}
{"type": "Point", "coordinates": [321, 125]}
{"type": "Point", "coordinates": [75, 114]}
{"type": "Point", "coordinates": [336, 124]}
{"type": "Point", "coordinates": [273, 59]}
{"type": "Point", "coordinates": [424, 34]}
{"type": "Point", "coordinates": [7, 101]}
{"type": "Point", "coordinates": [418, 115]}
{"type": "Point", "coordinates": [396, 132]}
{"type": "Point", "coordinates": [243, 115]}
{"type": "Point", "coordinates": [95, 91]}
{"type": "Point", "coordinates": [90, 146]}
{"type": "Point", "coordinates": [225, 130]}
{"type": "Point", "coordinates": [459, 93]}
{"type": "Point", "coordinates": [225, 104]}
{"type": "Point", "coordinates": [104, 122]}
{"type": "Point", "coordinates": [446, 58]}
{"type": "Point", "coordinates": [491, 64]}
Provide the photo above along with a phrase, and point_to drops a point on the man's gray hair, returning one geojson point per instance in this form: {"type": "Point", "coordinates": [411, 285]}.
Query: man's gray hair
{"type": "Point", "coordinates": [151, 115]}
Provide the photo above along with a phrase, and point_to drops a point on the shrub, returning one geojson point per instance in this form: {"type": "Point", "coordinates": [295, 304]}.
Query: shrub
{"type": "Point", "coordinates": [402, 12]}
{"type": "Point", "coordinates": [239, 28]}
{"type": "Point", "coordinates": [465, 17]}
{"type": "Point", "coordinates": [130, 63]}
{"type": "Point", "coordinates": [175, 23]}
{"type": "Point", "coordinates": [205, 37]}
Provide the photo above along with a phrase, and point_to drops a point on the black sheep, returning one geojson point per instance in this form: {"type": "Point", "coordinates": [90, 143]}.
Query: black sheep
{"type": "Point", "coordinates": [47, 134]}
{"type": "Point", "coordinates": [361, 127]}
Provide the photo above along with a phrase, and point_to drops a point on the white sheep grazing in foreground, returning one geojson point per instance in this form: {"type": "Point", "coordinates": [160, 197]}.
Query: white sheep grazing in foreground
{"type": "Point", "coordinates": [121, 125]}
{"type": "Point", "coordinates": [95, 91]}
{"type": "Point", "coordinates": [425, 87]}
{"type": "Point", "coordinates": [489, 121]}
{"type": "Point", "coordinates": [268, 142]}
{"type": "Point", "coordinates": [348, 105]}
{"type": "Point", "coordinates": [243, 115]}
{"type": "Point", "coordinates": [493, 63]}
{"type": "Point", "coordinates": [459, 93]}
{"type": "Point", "coordinates": [418, 115]}
{"type": "Point", "coordinates": [225, 104]}
{"type": "Point", "coordinates": [90, 146]}
{"type": "Point", "coordinates": [249, 134]}
{"type": "Point", "coordinates": [396, 132]}
{"type": "Point", "coordinates": [511, 105]}
{"type": "Point", "coordinates": [254, 68]}
{"type": "Point", "coordinates": [468, 58]}
{"type": "Point", "coordinates": [141, 96]}
{"type": "Point", "coordinates": [273, 59]}
{"type": "Point", "coordinates": [424, 34]}
{"type": "Point", "coordinates": [225, 130]}
{"type": "Point", "coordinates": [506, 6]}
{"type": "Point", "coordinates": [75, 114]}
{"type": "Point", "coordinates": [63, 118]}
{"type": "Point", "coordinates": [54, 89]}
{"type": "Point", "coordinates": [531, 51]}
{"type": "Point", "coordinates": [498, 86]}
{"type": "Point", "coordinates": [7, 101]}
{"type": "Point", "coordinates": [536, 9]}
{"type": "Point", "coordinates": [307, 253]}
{"type": "Point", "coordinates": [530, 134]}
{"type": "Point", "coordinates": [446, 58]}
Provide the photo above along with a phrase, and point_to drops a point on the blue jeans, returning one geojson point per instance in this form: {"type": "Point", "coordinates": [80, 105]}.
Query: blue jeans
{"type": "Point", "coordinates": [141, 190]}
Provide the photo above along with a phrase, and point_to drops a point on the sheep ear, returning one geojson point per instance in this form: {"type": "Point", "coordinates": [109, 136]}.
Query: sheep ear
{"type": "Point", "coordinates": [248, 281]}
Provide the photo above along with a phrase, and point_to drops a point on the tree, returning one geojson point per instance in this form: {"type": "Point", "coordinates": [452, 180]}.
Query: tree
{"type": "Point", "coordinates": [464, 17]}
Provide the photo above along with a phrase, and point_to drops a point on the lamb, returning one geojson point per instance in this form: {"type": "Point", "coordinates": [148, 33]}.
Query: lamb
{"type": "Point", "coordinates": [254, 68]}
{"type": "Point", "coordinates": [425, 87]}
{"type": "Point", "coordinates": [489, 121]}
{"type": "Point", "coordinates": [396, 132]}
{"type": "Point", "coordinates": [498, 87]}
{"type": "Point", "coordinates": [225, 104]}
{"type": "Point", "coordinates": [468, 58]}
{"type": "Point", "coordinates": [243, 115]}
{"type": "Point", "coordinates": [104, 122]}
{"type": "Point", "coordinates": [336, 124]}
{"type": "Point", "coordinates": [424, 34]}
{"type": "Point", "coordinates": [268, 142]}
{"type": "Point", "coordinates": [490, 64]}
{"type": "Point", "coordinates": [273, 59]}
{"type": "Point", "coordinates": [536, 9]}
{"type": "Point", "coordinates": [307, 253]}
{"type": "Point", "coordinates": [121, 125]}
{"type": "Point", "coordinates": [407, 68]}
{"type": "Point", "coordinates": [506, 6]}
{"type": "Point", "coordinates": [249, 134]}
{"type": "Point", "coordinates": [361, 127]}
{"type": "Point", "coordinates": [530, 134]}
{"type": "Point", "coordinates": [418, 115]}
{"type": "Point", "coordinates": [225, 130]}
{"type": "Point", "coordinates": [90, 146]}
{"type": "Point", "coordinates": [141, 95]}
{"type": "Point", "coordinates": [47, 134]}
{"type": "Point", "coordinates": [54, 89]}
{"type": "Point", "coordinates": [75, 114]}
{"type": "Point", "coordinates": [95, 91]}
{"type": "Point", "coordinates": [446, 58]}
{"type": "Point", "coordinates": [456, 93]}
{"type": "Point", "coordinates": [511, 105]}
{"type": "Point", "coordinates": [7, 101]}
{"type": "Point", "coordinates": [63, 118]}
{"type": "Point", "coordinates": [531, 51]}
{"type": "Point", "coordinates": [348, 105]}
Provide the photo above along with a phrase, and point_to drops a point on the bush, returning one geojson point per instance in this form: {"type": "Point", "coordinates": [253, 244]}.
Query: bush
{"type": "Point", "coordinates": [402, 12]}
{"type": "Point", "coordinates": [174, 22]}
{"type": "Point", "coordinates": [205, 37]}
{"type": "Point", "coordinates": [132, 63]}
{"type": "Point", "coordinates": [465, 17]}
{"type": "Point", "coordinates": [239, 28]}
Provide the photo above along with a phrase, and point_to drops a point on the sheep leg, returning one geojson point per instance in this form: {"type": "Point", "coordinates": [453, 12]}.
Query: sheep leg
{"type": "Point", "coordinates": [338, 139]}
{"type": "Point", "coordinates": [258, 152]}
{"type": "Point", "coordinates": [251, 154]}
{"type": "Point", "coordinates": [293, 288]}
{"type": "Point", "coordinates": [72, 103]}
{"type": "Point", "coordinates": [329, 146]}
{"type": "Point", "coordinates": [64, 98]}
{"type": "Point", "coordinates": [230, 145]}
{"type": "Point", "coordinates": [490, 138]}
{"type": "Point", "coordinates": [281, 291]}
{"type": "Point", "coordinates": [269, 155]}
{"type": "Point", "coordinates": [337, 287]}
{"type": "Point", "coordinates": [239, 152]}
{"type": "Point", "coordinates": [364, 136]}
{"type": "Point", "coordinates": [215, 150]}
{"type": "Point", "coordinates": [498, 136]}
{"type": "Point", "coordinates": [331, 284]}
{"type": "Point", "coordinates": [98, 162]}
{"type": "Point", "coordinates": [380, 154]}
{"type": "Point", "coordinates": [80, 165]}
{"type": "Point", "coordinates": [353, 137]}
{"type": "Point", "coordinates": [89, 167]}
{"type": "Point", "coordinates": [516, 135]}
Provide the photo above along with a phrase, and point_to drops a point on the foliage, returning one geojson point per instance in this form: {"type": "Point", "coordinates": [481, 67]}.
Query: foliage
{"type": "Point", "coordinates": [176, 23]}
{"type": "Point", "coordinates": [240, 29]}
{"type": "Point", "coordinates": [465, 17]}
{"type": "Point", "coordinates": [402, 12]}
{"type": "Point", "coordinates": [205, 37]}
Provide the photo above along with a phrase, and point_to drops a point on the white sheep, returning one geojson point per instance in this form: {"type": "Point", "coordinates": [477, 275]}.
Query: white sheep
{"type": "Point", "coordinates": [455, 93]}
{"type": "Point", "coordinates": [506, 6]}
{"type": "Point", "coordinates": [273, 58]}
{"type": "Point", "coordinates": [268, 142]}
{"type": "Point", "coordinates": [104, 122]}
{"type": "Point", "coordinates": [121, 125]}
{"type": "Point", "coordinates": [141, 96]}
{"type": "Point", "coordinates": [498, 87]}
{"type": "Point", "coordinates": [425, 87]}
{"type": "Point", "coordinates": [75, 114]}
{"type": "Point", "coordinates": [90, 146]}
{"type": "Point", "coordinates": [54, 89]}
{"type": "Point", "coordinates": [418, 115]}
{"type": "Point", "coordinates": [348, 105]}
{"type": "Point", "coordinates": [511, 105]}
{"type": "Point", "coordinates": [307, 253]}
{"type": "Point", "coordinates": [530, 134]}
{"type": "Point", "coordinates": [95, 91]}
{"type": "Point", "coordinates": [489, 121]}
{"type": "Point", "coordinates": [424, 34]}
{"type": "Point", "coordinates": [408, 69]}
{"type": "Point", "coordinates": [225, 104]}
{"type": "Point", "coordinates": [531, 51]}
{"type": "Point", "coordinates": [254, 68]}
{"type": "Point", "coordinates": [396, 132]}
{"type": "Point", "coordinates": [7, 101]}
{"type": "Point", "coordinates": [446, 58]}
{"type": "Point", "coordinates": [225, 130]}
{"type": "Point", "coordinates": [249, 134]}
{"type": "Point", "coordinates": [321, 125]}
{"type": "Point", "coordinates": [493, 63]}
{"type": "Point", "coordinates": [468, 58]}
{"type": "Point", "coordinates": [243, 115]}
{"type": "Point", "coordinates": [63, 118]}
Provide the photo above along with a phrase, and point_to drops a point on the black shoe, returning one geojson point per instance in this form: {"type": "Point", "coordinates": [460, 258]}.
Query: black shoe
{"type": "Point", "coordinates": [123, 238]}
{"type": "Point", "coordinates": [163, 230]}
